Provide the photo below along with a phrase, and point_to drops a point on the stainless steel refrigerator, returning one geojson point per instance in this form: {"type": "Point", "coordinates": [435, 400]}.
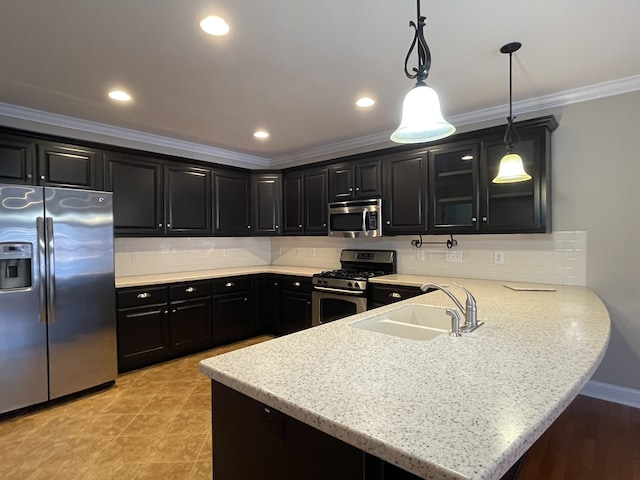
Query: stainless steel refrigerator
{"type": "Point", "coordinates": [57, 293]}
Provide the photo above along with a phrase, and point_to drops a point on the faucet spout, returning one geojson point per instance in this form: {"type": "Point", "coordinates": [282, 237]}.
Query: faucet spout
{"type": "Point", "coordinates": [442, 288]}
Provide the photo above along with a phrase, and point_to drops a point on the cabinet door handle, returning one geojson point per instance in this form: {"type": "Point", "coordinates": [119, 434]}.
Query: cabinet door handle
{"type": "Point", "coordinates": [276, 227]}
{"type": "Point", "coordinates": [296, 284]}
{"type": "Point", "coordinates": [395, 295]}
{"type": "Point", "coordinates": [190, 289]}
{"type": "Point", "coordinates": [484, 219]}
{"type": "Point", "coordinates": [166, 312]}
{"type": "Point", "coordinates": [357, 189]}
{"type": "Point", "coordinates": [474, 219]}
{"type": "Point", "coordinates": [159, 225]}
{"type": "Point", "coordinates": [42, 177]}
{"type": "Point", "coordinates": [168, 225]}
{"type": "Point", "coordinates": [29, 175]}
{"type": "Point", "coordinates": [245, 299]}
{"type": "Point", "coordinates": [144, 295]}
{"type": "Point", "coordinates": [299, 226]}
{"type": "Point", "coordinates": [350, 189]}
{"type": "Point", "coordinates": [174, 310]}
{"type": "Point", "coordinates": [324, 224]}
{"type": "Point", "coordinates": [230, 284]}
{"type": "Point", "coordinates": [388, 222]}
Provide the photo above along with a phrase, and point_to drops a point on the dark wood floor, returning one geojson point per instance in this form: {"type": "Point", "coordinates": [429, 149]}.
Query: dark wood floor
{"type": "Point", "coordinates": [591, 440]}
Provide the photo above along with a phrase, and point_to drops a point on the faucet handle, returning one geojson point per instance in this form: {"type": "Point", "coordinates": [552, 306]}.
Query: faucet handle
{"type": "Point", "coordinates": [471, 300]}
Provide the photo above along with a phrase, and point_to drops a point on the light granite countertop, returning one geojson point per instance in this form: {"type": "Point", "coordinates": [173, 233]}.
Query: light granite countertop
{"type": "Point", "coordinates": [157, 279]}
{"type": "Point", "coordinates": [448, 408]}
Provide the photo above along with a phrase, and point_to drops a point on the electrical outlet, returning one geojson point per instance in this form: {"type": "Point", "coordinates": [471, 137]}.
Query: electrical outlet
{"type": "Point", "coordinates": [313, 252]}
{"type": "Point", "coordinates": [498, 258]}
{"type": "Point", "coordinates": [135, 256]}
{"type": "Point", "coordinates": [225, 252]}
{"type": "Point", "coordinates": [420, 255]}
{"type": "Point", "coordinates": [453, 257]}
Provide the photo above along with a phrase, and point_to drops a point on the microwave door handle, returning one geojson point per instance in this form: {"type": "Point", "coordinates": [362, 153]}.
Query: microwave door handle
{"type": "Point", "coordinates": [364, 221]}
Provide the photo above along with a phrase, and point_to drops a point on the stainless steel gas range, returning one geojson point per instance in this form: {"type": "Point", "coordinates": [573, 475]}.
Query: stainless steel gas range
{"type": "Point", "coordinates": [343, 292]}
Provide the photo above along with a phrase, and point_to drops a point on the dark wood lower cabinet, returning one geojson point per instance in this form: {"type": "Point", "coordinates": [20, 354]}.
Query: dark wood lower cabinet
{"type": "Point", "coordinates": [191, 326]}
{"type": "Point", "coordinates": [294, 310]}
{"type": "Point", "coordinates": [256, 441]}
{"type": "Point", "coordinates": [143, 336]}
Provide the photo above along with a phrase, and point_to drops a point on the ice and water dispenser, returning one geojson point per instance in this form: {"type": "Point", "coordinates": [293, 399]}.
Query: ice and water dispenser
{"type": "Point", "coordinates": [15, 266]}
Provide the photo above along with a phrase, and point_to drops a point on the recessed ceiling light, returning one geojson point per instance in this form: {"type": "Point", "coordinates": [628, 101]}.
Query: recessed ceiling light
{"type": "Point", "coordinates": [365, 102]}
{"type": "Point", "coordinates": [214, 25]}
{"type": "Point", "coordinates": [262, 134]}
{"type": "Point", "coordinates": [120, 95]}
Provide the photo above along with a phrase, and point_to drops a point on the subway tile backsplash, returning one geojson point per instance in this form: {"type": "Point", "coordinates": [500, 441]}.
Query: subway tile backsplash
{"type": "Point", "coordinates": [558, 257]}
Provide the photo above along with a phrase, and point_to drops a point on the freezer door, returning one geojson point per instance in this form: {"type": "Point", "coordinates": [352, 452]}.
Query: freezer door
{"type": "Point", "coordinates": [82, 328]}
{"type": "Point", "coordinates": [23, 329]}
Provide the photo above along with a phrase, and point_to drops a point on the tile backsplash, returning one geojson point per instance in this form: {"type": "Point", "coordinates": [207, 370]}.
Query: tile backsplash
{"type": "Point", "coordinates": [558, 257]}
{"type": "Point", "coordinates": [148, 256]}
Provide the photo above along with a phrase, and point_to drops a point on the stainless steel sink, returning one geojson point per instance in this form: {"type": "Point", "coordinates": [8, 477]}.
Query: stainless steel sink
{"type": "Point", "coordinates": [414, 321]}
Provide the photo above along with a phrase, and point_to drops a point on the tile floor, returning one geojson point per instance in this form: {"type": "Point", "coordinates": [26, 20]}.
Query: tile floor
{"type": "Point", "coordinates": [154, 423]}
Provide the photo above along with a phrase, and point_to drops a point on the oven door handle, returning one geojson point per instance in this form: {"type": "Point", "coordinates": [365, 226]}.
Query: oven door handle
{"type": "Point", "coordinates": [337, 290]}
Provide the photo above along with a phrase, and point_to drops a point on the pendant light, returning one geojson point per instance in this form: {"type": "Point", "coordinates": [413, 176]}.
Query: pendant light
{"type": "Point", "coordinates": [422, 120]}
{"type": "Point", "coordinates": [511, 169]}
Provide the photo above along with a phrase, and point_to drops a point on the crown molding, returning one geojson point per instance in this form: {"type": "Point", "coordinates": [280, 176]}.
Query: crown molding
{"type": "Point", "coordinates": [26, 118]}
{"type": "Point", "coordinates": [100, 132]}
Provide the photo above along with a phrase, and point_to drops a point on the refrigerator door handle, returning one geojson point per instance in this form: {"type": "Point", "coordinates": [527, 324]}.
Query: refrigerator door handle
{"type": "Point", "coordinates": [42, 286]}
{"type": "Point", "coordinates": [51, 270]}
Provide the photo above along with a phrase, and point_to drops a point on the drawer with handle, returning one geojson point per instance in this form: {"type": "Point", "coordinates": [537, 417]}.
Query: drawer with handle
{"type": "Point", "coordinates": [187, 290]}
{"type": "Point", "coordinates": [230, 284]}
{"type": "Point", "coordinates": [386, 294]}
{"type": "Point", "coordinates": [139, 296]}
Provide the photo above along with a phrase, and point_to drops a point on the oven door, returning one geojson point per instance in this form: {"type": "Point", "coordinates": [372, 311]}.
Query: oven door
{"type": "Point", "coordinates": [328, 304]}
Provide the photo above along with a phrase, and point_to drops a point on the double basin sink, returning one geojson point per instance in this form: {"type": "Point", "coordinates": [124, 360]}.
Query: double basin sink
{"type": "Point", "coordinates": [414, 321]}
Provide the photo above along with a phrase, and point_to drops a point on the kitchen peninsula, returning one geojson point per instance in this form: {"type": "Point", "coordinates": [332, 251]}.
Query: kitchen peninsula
{"type": "Point", "coordinates": [448, 408]}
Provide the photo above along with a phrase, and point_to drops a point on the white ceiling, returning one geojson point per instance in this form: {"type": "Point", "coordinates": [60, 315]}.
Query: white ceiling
{"type": "Point", "coordinates": [295, 67]}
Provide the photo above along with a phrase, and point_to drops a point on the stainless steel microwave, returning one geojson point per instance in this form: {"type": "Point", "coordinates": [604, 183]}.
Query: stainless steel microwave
{"type": "Point", "coordinates": [356, 218]}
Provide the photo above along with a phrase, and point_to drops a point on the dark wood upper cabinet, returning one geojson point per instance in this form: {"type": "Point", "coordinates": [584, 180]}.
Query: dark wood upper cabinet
{"type": "Point", "coordinates": [404, 203]}
{"type": "Point", "coordinates": [137, 186]}
{"type": "Point", "coordinates": [292, 200]}
{"type": "Point", "coordinates": [453, 188]}
{"type": "Point", "coordinates": [231, 205]}
{"type": "Point", "coordinates": [69, 166]}
{"type": "Point", "coordinates": [305, 201]}
{"type": "Point", "coordinates": [315, 201]}
{"type": "Point", "coordinates": [355, 179]}
{"type": "Point", "coordinates": [17, 159]}
{"type": "Point", "coordinates": [266, 196]}
{"type": "Point", "coordinates": [188, 200]}
{"type": "Point", "coordinates": [522, 206]}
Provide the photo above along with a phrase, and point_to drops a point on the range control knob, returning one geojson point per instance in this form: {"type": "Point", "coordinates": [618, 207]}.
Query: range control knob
{"type": "Point", "coordinates": [356, 285]}
{"type": "Point", "coordinates": [349, 284]}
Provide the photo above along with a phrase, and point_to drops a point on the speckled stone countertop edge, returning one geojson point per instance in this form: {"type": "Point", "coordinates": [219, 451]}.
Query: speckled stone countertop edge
{"type": "Point", "coordinates": [160, 278]}
{"type": "Point", "coordinates": [494, 467]}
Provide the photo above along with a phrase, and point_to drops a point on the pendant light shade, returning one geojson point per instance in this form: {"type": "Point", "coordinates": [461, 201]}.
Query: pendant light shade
{"type": "Point", "coordinates": [422, 120]}
{"type": "Point", "coordinates": [511, 168]}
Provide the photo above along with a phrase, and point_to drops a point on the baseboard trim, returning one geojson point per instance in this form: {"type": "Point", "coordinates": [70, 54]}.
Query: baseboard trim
{"type": "Point", "coordinates": [612, 393]}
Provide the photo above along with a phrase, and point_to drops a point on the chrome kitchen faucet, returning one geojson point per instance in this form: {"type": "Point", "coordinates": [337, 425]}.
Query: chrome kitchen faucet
{"type": "Point", "coordinates": [470, 312]}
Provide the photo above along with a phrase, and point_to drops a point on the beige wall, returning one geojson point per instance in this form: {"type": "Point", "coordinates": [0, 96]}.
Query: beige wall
{"type": "Point", "coordinates": [596, 188]}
